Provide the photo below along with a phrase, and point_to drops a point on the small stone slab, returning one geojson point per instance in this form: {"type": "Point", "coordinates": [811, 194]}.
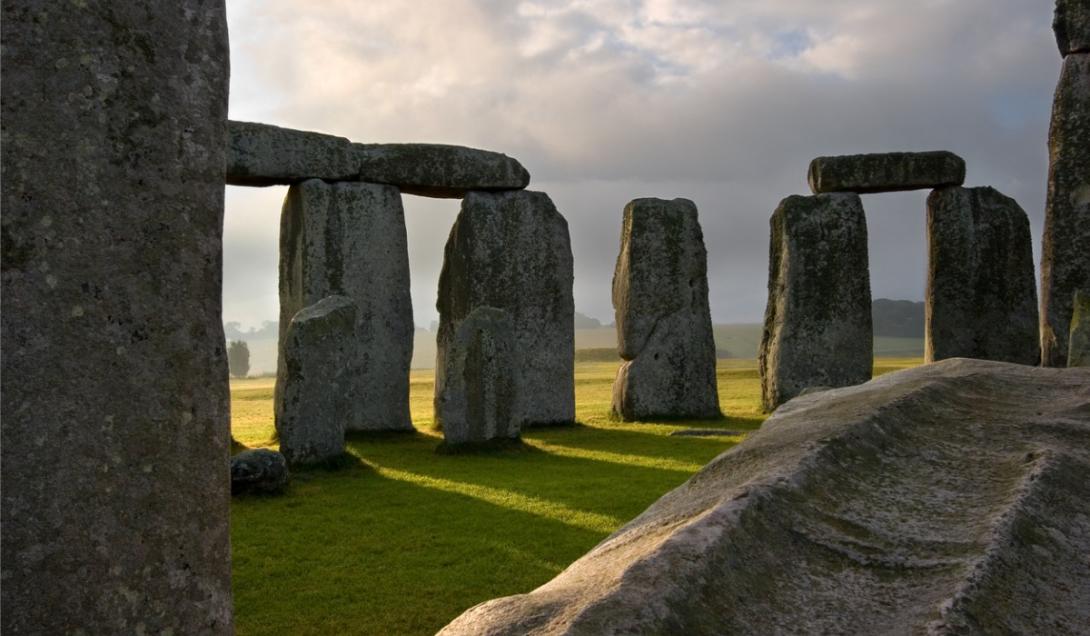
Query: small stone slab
{"type": "Point", "coordinates": [437, 170]}
{"type": "Point", "coordinates": [886, 172]}
{"type": "Point", "coordinates": [1071, 23]}
{"type": "Point", "coordinates": [313, 387]}
{"type": "Point", "coordinates": [259, 471]}
{"type": "Point", "coordinates": [1078, 341]}
{"type": "Point", "coordinates": [817, 329]}
{"type": "Point", "coordinates": [475, 397]}
{"type": "Point", "coordinates": [264, 155]}
{"type": "Point", "coordinates": [981, 298]}
{"type": "Point", "coordinates": [705, 432]}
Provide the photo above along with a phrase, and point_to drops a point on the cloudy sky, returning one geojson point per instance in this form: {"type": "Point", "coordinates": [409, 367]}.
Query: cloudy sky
{"type": "Point", "coordinates": [723, 102]}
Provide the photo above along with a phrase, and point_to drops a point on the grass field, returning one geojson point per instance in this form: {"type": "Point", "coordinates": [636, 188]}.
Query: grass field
{"type": "Point", "coordinates": [406, 539]}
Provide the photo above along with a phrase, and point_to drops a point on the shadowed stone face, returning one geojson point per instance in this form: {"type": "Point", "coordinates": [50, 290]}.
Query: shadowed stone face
{"type": "Point", "coordinates": [476, 400]}
{"type": "Point", "coordinates": [512, 251]}
{"type": "Point", "coordinates": [316, 391]}
{"type": "Point", "coordinates": [886, 172]}
{"type": "Point", "coordinates": [664, 331]}
{"type": "Point", "coordinates": [115, 432]}
{"type": "Point", "coordinates": [1065, 257]}
{"type": "Point", "coordinates": [349, 239]}
{"type": "Point", "coordinates": [981, 299]}
{"type": "Point", "coordinates": [817, 329]}
{"type": "Point", "coordinates": [1079, 338]}
{"type": "Point", "coordinates": [1072, 26]}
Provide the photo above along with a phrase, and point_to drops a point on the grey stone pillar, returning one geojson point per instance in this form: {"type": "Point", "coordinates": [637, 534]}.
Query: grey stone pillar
{"type": "Point", "coordinates": [817, 328]}
{"type": "Point", "coordinates": [115, 434]}
{"type": "Point", "coordinates": [349, 239]}
{"type": "Point", "coordinates": [981, 298]}
{"type": "Point", "coordinates": [511, 251]}
{"type": "Point", "coordinates": [664, 325]}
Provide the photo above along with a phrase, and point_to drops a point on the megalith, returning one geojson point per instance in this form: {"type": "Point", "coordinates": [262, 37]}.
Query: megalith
{"type": "Point", "coordinates": [981, 298]}
{"type": "Point", "coordinates": [115, 431]}
{"type": "Point", "coordinates": [476, 399]}
{"type": "Point", "coordinates": [316, 390]}
{"type": "Point", "coordinates": [1078, 354]}
{"type": "Point", "coordinates": [664, 327]}
{"type": "Point", "coordinates": [1065, 258]}
{"type": "Point", "coordinates": [817, 329]}
{"type": "Point", "coordinates": [886, 172]}
{"type": "Point", "coordinates": [512, 251]}
{"type": "Point", "coordinates": [349, 239]}
{"type": "Point", "coordinates": [1072, 26]}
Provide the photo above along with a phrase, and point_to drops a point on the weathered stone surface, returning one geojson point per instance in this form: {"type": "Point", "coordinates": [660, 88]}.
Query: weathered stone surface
{"type": "Point", "coordinates": [512, 251]}
{"type": "Point", "coordinates": [263, 155]}
{"type": "Point", "coordinates": [259, 471]}
{"type": "Point", "coordinates": [886, 172]}
{"type": "Point", "coordinates": [114, 434]}
{"type": "Point", "coordinates": [664, 327]}
{"type": "Point", "coordinates": [1071, 22]}
{"type": "Point", "coordinates": [1078, 340]}
{"type": "Point", "coordinates": [947, 499]}
{"type": "Point", "coordinates": [437, 170]}
{"type": "Point", "coordinates": [1065, 259]}
{"type": "Point", "coordinates": [349, 239]}
{"type": "Point", "coordinates": [316, 388]}
{"type": "Point", "coordinates": [817, 329]}
{"type": "Point", "coordinates": [981, 298]}
{"type": "Point", "coordinates": [475, 402]}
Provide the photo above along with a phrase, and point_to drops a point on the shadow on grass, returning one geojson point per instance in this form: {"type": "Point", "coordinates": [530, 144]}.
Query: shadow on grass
{"type": "Point", "coordinates": [490, 447]}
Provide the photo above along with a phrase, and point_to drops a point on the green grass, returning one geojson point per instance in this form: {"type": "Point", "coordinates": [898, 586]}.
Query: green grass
{"type": "Point", "coordinates": [405, 539]}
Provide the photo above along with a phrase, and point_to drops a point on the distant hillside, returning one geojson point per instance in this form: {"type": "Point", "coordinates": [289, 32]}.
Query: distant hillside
{"type": "Point", "coordinates": [897, 318]}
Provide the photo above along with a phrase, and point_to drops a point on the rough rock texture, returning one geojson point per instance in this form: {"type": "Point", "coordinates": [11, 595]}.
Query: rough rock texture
{"type": "Point", "coordinates": [1071, 23]}
{"type": "Point", "coordinates": [512, 251]}
{"type": "Point", "coordinates": [259, 471]}
{"type": "Point", "coordinates": [114, 434]}
{"type": "Point", "coordinates": [436, 170]}
{"type": "Point", "coordinates": [349, 239]}
{"type": "Point", "coordinates": [664, 327]}
{"type": "Point", "coordinates": [263, 155]}
{"type": "Point", "coordinates": [316, 393]}
{"type": "Point", "coordinates": [1079, 337]}
{"type": "Point", "coordinates": [476, 400]}
{"type": "Point", "coordinates": [981, 298]}
{"type": "Point", "coordinates": [817, 329]}
{"type": "Point", "coordinates": [1065, 259]}
{"type": "Point", "coordinates": [886, 172]}
{"type": "Point", "coordinates": [946, 499]}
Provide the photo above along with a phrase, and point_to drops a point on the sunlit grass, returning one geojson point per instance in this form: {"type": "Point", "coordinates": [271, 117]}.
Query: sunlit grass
{"type": "Point", "coordinates": [409, 538]}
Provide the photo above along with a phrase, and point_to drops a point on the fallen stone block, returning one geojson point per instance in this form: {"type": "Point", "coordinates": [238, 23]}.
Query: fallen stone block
{"type": "Point", "coordinates": [259, 471]}
{"type": "Point", "coordinates": [886, 172]}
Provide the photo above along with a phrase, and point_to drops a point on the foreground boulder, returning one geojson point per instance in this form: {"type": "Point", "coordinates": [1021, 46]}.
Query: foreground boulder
{"type": "Point", "coordinates": [475, 402]}
{"type": "Point", "coordinates": [512, 251]}
{"type": "Point", "coordinates": [664, 327]}
{"type": "Point", "coordinates": [259, 471]}
{"type": "Point", "coordinates": [1071, 23]}
{"type": "Point", "coordinates": [886, 172]}
{"type": "Point", "coordinates": [817, 329]}
{"type": "Point", "coordinates": [949, 498]}
{"type": "Point", "coordinates": [981, 293]}
{"type": "Point", "coordinates": [1078, 354]}
{"type": "Point", "coordinates": [315, 389]}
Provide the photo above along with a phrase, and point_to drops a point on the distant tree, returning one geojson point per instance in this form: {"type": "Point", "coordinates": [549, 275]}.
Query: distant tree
{"type": "Point", "coordinates": [238, 358]}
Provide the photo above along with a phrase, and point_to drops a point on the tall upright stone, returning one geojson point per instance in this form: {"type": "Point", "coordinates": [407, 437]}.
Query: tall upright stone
{"type": "Point", "coordinates": [664, 326]}
{"type": "Point", "coordinates": [981, 299]}
{"type": "Point", "coordinates": [1072, 26]}
{"type": "Point", "coordinates": [817, 329]}
{"type": "Point", "coordinates": [512, 251]}
{"type": "Point", "coordinates": [1078, 352]}
{"type": "Point", "coordinates": [475, 402]}
{"type": "Point", "coordinates": [317, 383]}
{"type": "Point", "coordinates": [349, 239]}
{"type": "Point", "coordinates": [115, 434]}
{"type": "Point", "coordinates": [1065, 258]}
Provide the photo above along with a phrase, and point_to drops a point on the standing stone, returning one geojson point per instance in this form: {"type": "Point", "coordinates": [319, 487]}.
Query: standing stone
{"type": "Point", "coordinates": [1071, 23]}
{"type": "Point", "coordinates": [511, 250]}
{"type": "Point", "coordinates": [818, 321]}
{"type": "Point", "coordinates": [476, 400]}
{"type": "Point", "coordinates": [981, 299]}
{"type": "Point", "coordinates": [1078, 340]}
{"type": "Point", "coordinates": [316, 388]}
{"type": "Point", "coordinates": [664, 327]}
{"type": "Point", "coordinates": [349, 239]}
{"type": "Point", "coordinates": [115, 432]}
{"type": "Point", "coordinates": [886, 172]}
{"type": "Point", "coordinates": [1065, 257]}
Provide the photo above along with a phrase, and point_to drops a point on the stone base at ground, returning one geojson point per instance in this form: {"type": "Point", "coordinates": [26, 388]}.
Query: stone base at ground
{"type": "Point", "coordinates": [259, 471]}
{"type": "Point", "coordinates": [949, 498]}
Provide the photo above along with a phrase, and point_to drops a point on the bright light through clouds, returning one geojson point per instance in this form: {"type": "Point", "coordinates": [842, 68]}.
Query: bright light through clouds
{"type": "Point", "coordinates": [603, 101]}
